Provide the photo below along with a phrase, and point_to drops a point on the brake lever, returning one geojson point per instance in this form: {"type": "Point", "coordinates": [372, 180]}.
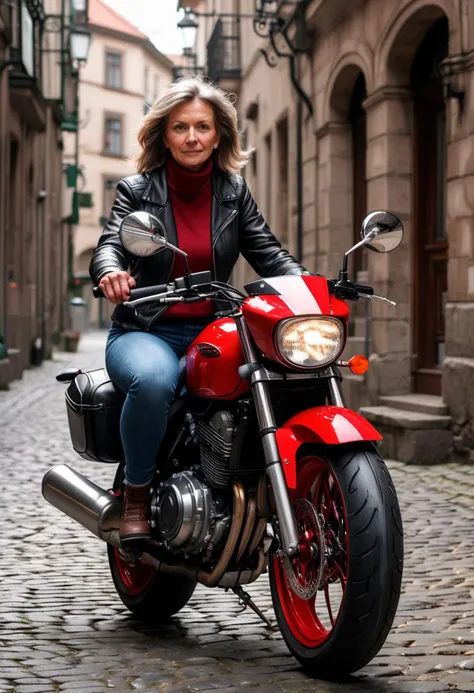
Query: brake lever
{"type": "Point", "coordinates": [380, 298]}
{"type": "Point", "coordinates": [153, 299]}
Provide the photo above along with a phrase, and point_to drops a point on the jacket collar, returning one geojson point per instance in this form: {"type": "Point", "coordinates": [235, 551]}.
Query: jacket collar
{"type": "Point", "coordinates": [156, 191]}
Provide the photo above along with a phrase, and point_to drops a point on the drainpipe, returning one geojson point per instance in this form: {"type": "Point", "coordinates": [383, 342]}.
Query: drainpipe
{"type": "Point", "coordinates": [299, 19]}
{"type": "Point", "coordinates": [302, 96]}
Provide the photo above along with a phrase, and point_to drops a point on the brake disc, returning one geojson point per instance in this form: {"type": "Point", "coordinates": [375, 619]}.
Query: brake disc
{"type": "Point", "coordinates": [306, 586]}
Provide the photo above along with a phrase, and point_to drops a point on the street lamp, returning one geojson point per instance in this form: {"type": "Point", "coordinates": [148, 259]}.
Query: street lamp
{"type": "Point", "coordinates": [80, 41]}
{"type": "Point", "coordinates": [188, 26]}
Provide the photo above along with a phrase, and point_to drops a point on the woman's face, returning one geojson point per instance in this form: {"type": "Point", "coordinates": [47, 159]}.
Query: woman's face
{"type": "Point", "coordinates": [191, 134]}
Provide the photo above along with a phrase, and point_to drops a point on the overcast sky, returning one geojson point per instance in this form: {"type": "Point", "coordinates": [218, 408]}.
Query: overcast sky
{"type": "Point", "coordinates": [156, 18]}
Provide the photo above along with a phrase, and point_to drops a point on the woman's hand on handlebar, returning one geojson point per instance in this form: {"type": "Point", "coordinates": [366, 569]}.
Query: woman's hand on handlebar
{"type": "Point", "coordinates": [116, 286]}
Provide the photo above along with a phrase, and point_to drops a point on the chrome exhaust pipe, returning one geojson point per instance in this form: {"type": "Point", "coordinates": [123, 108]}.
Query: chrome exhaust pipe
{"type": "Point", "coordinates": [83, 501]}
{"type": "Point", "coordinates": [95, 509]}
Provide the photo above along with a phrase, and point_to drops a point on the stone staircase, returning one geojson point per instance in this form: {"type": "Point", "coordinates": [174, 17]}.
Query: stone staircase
{"type": "Point", "coordinates": [416, 428]}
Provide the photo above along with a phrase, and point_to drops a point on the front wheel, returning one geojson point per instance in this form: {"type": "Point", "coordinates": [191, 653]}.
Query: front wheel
{"type": "Point", "coordinates": [151, 595]}
{"type": "Point", "coordinates": [335, 604]}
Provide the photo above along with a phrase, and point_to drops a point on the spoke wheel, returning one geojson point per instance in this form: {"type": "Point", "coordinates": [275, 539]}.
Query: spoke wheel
{"type": "Point", "coordinates": [151, 595]}
{"type": "Point", "coordinates": [335, 611]}
{"type": "Point", "coordinates": [312, 594]}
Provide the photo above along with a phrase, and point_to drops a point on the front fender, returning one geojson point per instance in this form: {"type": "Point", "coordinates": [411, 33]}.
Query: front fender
{"type": "Point", "coordinates": [327, 425]}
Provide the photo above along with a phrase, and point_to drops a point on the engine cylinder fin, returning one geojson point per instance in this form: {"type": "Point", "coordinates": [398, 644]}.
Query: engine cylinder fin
{"type": "Point", "coordinates": [217, 473]}
{"type": "Point", "coordinates": [216, 441]}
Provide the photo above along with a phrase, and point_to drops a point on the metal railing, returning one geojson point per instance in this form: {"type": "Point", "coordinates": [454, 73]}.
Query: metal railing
{"type": "Point", "coordinates": [223, 49]}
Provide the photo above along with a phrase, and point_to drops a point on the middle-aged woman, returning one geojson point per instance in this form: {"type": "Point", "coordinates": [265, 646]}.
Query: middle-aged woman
{"type": "Point", "coordinates": [191, 151]}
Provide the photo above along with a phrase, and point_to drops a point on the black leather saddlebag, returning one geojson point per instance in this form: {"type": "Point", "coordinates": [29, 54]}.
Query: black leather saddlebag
{"type": "Point", "coordinates": [93, 407]}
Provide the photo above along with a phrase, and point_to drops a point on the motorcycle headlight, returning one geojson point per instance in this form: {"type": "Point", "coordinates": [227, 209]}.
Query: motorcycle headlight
{"type": "Point", "coordinates": [310, 342]}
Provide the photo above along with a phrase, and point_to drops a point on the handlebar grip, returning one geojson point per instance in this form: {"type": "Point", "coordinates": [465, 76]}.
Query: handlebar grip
{"type": "Point", "coordinates": [97, 292]}
{"type": "Point", "coordinates": [365, 289]}
{"type": "Point", "coordinates": [147, 291]}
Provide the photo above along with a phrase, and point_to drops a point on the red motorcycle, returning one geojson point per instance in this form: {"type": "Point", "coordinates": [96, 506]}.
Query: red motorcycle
{"type": "Point", "coordinates": [263, 465]}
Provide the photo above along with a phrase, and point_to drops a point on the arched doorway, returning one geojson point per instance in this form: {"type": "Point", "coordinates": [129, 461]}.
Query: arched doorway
{"type": "Point", "coordinates": [358, 120]}
{"type": "Point", "coordinates": [430, 239]}
{"type": "Point", "coordinates": [99, 311]}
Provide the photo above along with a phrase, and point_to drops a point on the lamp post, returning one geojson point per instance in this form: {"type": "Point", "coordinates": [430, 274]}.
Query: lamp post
{"type": "Point", "coordinates": [288, 38]}
{"type": "Point", "coordinates": [79, 44]}
{"type": "Point", "coordinates": [73, 47]}
{"type": "Point", "coordinates": [188, 27]}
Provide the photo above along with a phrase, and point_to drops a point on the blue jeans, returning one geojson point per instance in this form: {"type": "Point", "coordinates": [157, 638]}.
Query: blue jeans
{"type": "Point", "coordinates": [145, 366]}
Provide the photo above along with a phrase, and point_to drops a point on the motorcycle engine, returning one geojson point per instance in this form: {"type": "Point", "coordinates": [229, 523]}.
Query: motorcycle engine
{"type": "Point", "coordinates": [183, 510]}
{"type": "Point", "coordinates": [216, 438]}
{"type": "Point", "coordinates": [188, 514]}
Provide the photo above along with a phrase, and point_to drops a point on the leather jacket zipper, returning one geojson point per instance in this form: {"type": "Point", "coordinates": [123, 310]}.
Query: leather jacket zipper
{"type": "Point", "coordinates": [226, 223]}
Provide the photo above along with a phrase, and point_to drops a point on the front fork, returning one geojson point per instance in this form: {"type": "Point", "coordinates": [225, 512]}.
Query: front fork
{"type": "Point", "coordinates": [267, 427]}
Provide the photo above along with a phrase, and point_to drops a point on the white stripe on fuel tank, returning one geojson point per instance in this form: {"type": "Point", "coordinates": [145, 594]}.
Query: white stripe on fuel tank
{"type": "Point", "coordinates": [296, 295]}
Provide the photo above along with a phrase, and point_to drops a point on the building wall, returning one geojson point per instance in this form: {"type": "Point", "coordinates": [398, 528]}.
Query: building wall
{"type": "Point", "coordinates": [378, 39]}
{"type": "Point", "coordinates": [32, 290]}
{"type": "Point", "coordinates": [97, 101]}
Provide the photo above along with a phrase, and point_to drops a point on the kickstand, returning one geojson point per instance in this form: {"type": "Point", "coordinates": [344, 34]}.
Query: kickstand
{"type": "Point", "coordinates": [246, 600]}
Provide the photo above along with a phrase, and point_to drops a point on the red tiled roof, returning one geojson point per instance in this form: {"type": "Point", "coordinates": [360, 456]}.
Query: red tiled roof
{"type": "Point", "coordinates": [101, 14]}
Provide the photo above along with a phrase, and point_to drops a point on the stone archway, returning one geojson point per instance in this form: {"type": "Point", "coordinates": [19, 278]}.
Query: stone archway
{"type": "Point", "coordinates": [400, 41]}
{"type": "Point", "coordinates": [336, 166]}
{"type": "Point", "coordinates": [82, 261]}
{"type": "Point", "coordinates": [99, 310]}
{"type": "Point", "coordinates": [393, 178]}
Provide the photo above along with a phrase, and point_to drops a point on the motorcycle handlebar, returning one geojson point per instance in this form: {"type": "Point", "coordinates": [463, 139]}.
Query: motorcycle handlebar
{"type": "Point", "coordinates": [148, 291]}
{"type": "Point", "coordinates": [136, 293]}
{"type": "Point", "coordinates": [367, 290]}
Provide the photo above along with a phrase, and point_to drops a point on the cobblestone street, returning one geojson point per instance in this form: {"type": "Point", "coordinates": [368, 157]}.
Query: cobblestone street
{"type": "Point", "coordinates": [63, 628]}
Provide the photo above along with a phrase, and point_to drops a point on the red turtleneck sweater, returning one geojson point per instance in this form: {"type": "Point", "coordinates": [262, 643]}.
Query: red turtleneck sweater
{"type": "Point", "coordinates": [191, 196]}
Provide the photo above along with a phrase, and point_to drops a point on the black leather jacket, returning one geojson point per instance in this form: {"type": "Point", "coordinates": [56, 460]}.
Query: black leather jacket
{"type": "Point", "coordinates": [237, 226]}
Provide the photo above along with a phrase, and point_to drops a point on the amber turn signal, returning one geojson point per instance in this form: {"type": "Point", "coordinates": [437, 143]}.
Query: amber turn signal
{"type": "Point", "coordinates": [358, 364]}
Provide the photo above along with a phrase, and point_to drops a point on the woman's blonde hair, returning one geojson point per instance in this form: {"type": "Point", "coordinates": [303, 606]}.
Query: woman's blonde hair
{"type": "Point", "coordinates": [229, 156]}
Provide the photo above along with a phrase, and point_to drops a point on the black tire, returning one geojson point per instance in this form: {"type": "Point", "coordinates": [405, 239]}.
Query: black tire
{"type": "Point", "coordinates": [373, 570]}
{"type": "Point", "coordinates": [162, 594]}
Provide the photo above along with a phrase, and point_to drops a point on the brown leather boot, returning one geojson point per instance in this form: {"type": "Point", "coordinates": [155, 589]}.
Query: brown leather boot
{"type": "Point", "coordinates": [134, 521]}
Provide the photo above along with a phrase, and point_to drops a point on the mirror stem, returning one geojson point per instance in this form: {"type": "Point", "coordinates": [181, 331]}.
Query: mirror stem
{"type": "Point", "coordinates": [343, 274]}
{"type": "Point", "coordinates": [187, 271]}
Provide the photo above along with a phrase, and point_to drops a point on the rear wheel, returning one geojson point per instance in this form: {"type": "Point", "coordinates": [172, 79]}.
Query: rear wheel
{"type": "Point", "coordinates": [335, 604]}
{"type": "Point", "coordinates": [152, 596]}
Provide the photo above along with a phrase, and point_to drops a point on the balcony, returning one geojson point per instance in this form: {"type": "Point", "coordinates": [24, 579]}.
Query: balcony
{"type": "Point", "coordinates": [223, 54]}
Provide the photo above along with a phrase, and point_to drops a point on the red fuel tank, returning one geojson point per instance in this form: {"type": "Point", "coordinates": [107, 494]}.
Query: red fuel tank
{"type": "Point", "coordinates": [212, 362]}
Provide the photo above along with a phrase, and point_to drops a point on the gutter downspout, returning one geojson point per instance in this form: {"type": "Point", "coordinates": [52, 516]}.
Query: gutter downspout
{"type": "Point", "coordinates": [299, 17]}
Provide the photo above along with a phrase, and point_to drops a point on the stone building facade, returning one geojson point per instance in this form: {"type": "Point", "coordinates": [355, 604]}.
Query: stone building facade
{"type": "Point", "coordinates": [391, 83]}
{"type": "Point", "coordinates": [124, 75]}
{"type": "Point", "coordinates": [33, 242]}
